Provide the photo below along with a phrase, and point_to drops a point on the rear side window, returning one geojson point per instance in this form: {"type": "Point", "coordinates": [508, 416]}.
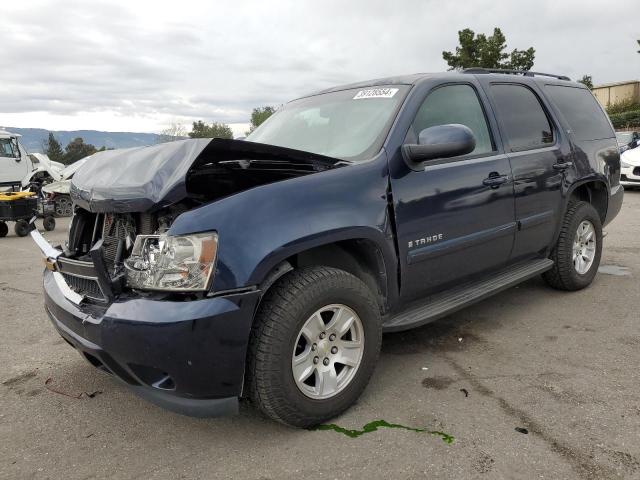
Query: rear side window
{"type": "Point", "coordinates": [455, 104]}
{"type": "Point", "coordinates": [582, 112]}
{"type": "Point", "coordinates": [525, 122]}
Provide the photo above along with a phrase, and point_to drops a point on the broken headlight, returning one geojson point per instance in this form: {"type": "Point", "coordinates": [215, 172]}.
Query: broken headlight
{"type": "Point", "coordinates": [178, 263]}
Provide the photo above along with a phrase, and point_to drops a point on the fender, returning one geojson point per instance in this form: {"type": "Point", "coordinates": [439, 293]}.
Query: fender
{"type": "Point", "coordinates": [261, 227]}
{"type": "Point", "coordinates": [594, 178]}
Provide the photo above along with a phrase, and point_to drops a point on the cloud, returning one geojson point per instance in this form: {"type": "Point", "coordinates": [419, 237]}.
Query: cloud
{"type": "Point", "coordinates": [143, 64]}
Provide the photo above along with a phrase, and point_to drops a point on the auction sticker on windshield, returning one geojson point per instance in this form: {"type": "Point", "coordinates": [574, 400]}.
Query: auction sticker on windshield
{"type": "Point", "coordinates": [376, 93]}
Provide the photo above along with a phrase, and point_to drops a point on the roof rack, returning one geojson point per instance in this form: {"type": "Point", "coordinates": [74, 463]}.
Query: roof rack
{"type": "Point", "coordinates": [526, 73]}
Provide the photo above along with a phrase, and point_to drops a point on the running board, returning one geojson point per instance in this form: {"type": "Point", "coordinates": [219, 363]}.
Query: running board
{"type": "Point", "coordinates": [450, 301]}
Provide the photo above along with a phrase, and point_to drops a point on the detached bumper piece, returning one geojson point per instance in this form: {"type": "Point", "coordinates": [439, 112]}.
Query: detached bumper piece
{"type": "Point", "coordinates": [185, 356]}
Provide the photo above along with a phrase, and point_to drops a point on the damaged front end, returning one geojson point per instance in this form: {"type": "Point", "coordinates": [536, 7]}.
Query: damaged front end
{"type": "Point", "coordinates": [133, 297]}
{"type": "Point", "coordinates": [127, 200]}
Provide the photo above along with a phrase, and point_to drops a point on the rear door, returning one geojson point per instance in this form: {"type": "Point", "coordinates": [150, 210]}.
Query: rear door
{"type": "Point", "coordinates": [454, 216]}
{"type": "Point", "coordinates": [539, 158]}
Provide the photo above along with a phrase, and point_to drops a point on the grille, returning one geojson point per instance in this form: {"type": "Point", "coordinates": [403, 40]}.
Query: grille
{"type": "Point", "coordinates": [84, 286]}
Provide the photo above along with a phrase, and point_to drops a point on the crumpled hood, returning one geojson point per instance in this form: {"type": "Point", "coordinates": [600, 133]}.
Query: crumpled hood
{"type": "Point", "coordinates": [141, 179]}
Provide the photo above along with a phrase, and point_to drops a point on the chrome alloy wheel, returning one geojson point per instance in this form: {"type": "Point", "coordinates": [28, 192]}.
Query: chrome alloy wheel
{"type": "Point", "coordinates": [328, 351]}
{"type": "Point", "coordinates": [584, 247]}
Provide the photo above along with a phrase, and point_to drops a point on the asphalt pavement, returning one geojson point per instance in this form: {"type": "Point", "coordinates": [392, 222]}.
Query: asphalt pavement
{"type": "Point", "coordinates": [532, 383]}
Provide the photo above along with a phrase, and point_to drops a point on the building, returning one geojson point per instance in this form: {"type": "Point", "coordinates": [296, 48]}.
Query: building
{"type": "Point", "coordinates": [612, 93]}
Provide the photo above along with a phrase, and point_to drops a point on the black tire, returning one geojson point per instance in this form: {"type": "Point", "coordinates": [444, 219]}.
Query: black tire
{"type": "Point", "coordinates": [563, 275]}
{"type": "Point", "coordinates": [49, 223]}
{"type": "Point", "coordinates": [22, 228]}
{"type": "Point", "coordinates": [4, 229]}
{"type": "Point", "coordinates": [282, 313]}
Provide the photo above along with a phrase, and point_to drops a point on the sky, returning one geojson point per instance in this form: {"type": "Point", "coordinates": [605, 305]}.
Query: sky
{"type": "Point", "coordinates": [140, 65]}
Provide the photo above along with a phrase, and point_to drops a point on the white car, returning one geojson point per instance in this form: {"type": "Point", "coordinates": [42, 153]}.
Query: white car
{"type": "Point", "coordinates": [630, 167]}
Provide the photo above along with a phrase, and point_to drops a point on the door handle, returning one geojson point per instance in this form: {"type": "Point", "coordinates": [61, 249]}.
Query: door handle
{"type": "Point", "coordinates": [494, 180]}
{"type": "Point", "coordinates": [562, 165]}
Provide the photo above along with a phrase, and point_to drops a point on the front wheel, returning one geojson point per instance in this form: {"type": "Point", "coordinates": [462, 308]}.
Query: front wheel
{"type": "Point", "coordinates": [22, 228]}
{"type": "Point", "coordinates": [314, 346]}
{"type": "Point", "coordinates": [577, 252]}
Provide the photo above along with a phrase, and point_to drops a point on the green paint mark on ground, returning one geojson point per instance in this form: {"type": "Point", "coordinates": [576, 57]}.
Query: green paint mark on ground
{"type": "Point", "coordinates": [373, 426]}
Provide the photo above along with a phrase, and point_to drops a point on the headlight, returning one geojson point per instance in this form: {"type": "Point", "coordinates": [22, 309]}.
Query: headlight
{"type": "Point", "coordinates": [174, 263]}
{"type": "Point", "coordinates": [625, 165]}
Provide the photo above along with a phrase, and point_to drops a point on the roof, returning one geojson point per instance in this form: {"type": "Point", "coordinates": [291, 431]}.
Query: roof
{"type": "Point", "coordinates": [414, 78]}
{"type": "Point", "coordinates": [5, 134]}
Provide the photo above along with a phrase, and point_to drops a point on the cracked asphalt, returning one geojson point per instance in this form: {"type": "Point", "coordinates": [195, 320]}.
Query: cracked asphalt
{"type": "Point", "coordinates": [562, 367]}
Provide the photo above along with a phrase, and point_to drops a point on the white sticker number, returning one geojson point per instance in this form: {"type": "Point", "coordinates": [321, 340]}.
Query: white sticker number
{"type": "Point", "coordinates": [376, 93]}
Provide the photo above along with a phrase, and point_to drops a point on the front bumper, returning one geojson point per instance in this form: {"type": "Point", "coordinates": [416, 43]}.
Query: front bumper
{"type": "Point", "coordinates": [186, 356]}
{"type": "Point", "coordinates": [630, 176]}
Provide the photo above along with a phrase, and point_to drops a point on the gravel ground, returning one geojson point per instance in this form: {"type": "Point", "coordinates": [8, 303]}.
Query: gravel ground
{"type": "Point", "coordinates": [562, 367]}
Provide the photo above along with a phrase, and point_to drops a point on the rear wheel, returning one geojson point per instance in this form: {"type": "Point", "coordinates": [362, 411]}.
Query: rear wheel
{"type": "Point", "coordinates": [4, 229]}
{"type": "Point", "coordinates": [577, 252]}
{"type": "Point", "coordinates": [22, 228]}
{"type": "Point", "coordinates": [314, 346]}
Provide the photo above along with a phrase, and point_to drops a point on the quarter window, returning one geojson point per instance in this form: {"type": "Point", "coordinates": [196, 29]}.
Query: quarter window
{"type": "Point", "coordinates": [525, 123]}
{"type": "Point", "coordinates": [455, 104]}
{"type": "Point", "coordinates": [582, 112]}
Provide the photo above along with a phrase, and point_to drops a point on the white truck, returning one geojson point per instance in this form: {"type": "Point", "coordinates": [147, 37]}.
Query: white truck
{"type": "Point", "coordinates": [19, 170]}
{"type": "Point", "coordinates": [15, 164]}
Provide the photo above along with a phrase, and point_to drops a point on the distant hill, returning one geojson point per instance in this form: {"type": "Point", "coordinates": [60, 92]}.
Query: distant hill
{"type": "Point", "coordinates": [32, 138]}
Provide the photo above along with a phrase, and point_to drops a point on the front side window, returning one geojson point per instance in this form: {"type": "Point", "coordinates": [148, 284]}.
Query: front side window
{"type": "Point", "coordinates": [455, 104]}
{"type": "Point", "coordinates": [348, 124]}
{"type": "Point", "coordinates": [525, 122]}
{"type": "Point", "coordinates": [7, 148]}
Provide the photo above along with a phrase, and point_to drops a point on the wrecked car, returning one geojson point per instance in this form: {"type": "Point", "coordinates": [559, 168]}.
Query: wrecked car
{"type": "Point", "coordinates": [202, 271]}
{"type": "Point", "coordinates": [58, 190]}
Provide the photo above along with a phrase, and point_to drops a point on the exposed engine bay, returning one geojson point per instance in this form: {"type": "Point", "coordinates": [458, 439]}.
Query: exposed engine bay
{"type": "Point", "coordinates": [127, 200]}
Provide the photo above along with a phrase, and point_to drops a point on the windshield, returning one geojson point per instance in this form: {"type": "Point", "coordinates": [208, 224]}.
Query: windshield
{"type": "Point", "coordinates": [349, 124]}
{"type": "Point", "coordinates": [7, 148]}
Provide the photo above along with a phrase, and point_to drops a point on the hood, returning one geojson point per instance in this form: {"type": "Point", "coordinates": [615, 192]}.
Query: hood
{"type": "Point", "coordinates": [69, 171]}
{"type": "Point", "coordinates": [148, 178]}
{"type": "Point", "coordinates": [49, 166]}
{"type": "Point", "coordinates": [62, 187]}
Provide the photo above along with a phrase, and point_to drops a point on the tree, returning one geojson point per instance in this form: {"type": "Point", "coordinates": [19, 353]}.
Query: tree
{"type": "Point", "coordinates": [587, 80]}
{"type": "Point", "coordinates": [259, 115]}
{"type": "Point", "coordinates": [52, 148]}
{"type": "Point", "coordinates": [215, 130]}
{"type": "Point", "coordinates": [638, 45]}
{"type": "Point", "coordinates": [175, 131]}
{"type": "Point", "coordinates": [487, 52]}
{"type": "Point", "coordinates": [76, 150]}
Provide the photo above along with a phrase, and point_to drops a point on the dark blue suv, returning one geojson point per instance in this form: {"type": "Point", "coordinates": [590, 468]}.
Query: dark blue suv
{"type": "Point", "coordinates": [201, 271]}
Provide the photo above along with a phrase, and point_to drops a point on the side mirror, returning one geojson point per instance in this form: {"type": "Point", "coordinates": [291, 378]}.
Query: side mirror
{"type": "Point", "coordinates": [441, 141]}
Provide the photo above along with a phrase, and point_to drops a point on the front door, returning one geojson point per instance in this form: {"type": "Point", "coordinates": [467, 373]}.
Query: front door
{"type": "Point", "coordinates": [455, 217]}
{"type": "Point", "coordinates": [13, 168]}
